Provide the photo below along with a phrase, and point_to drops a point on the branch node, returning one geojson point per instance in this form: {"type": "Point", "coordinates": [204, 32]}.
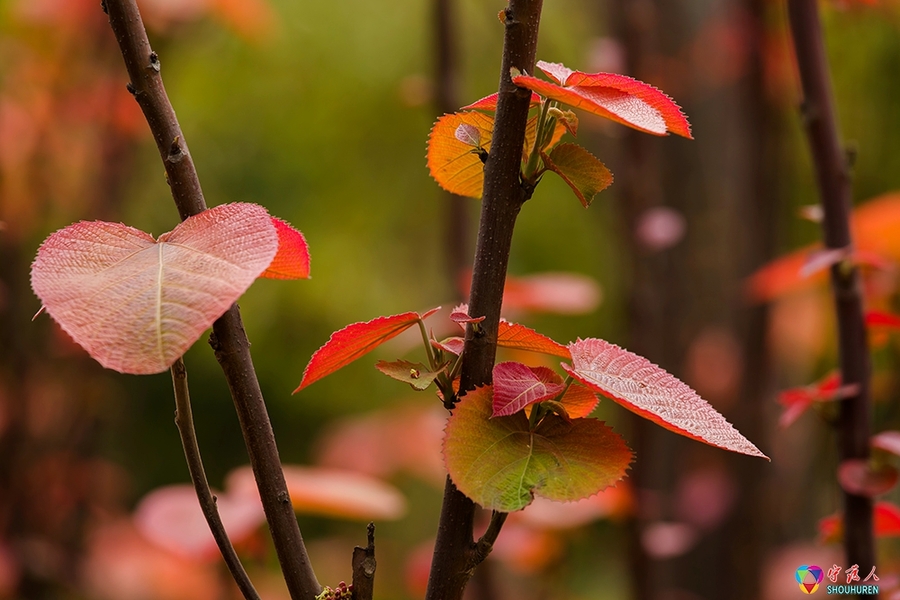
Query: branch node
{"type": "Point", "coordinates": [175, 151]}
{"type": "Point", "coordinates": [131, 89]}
{"type": "Point", "coordinates": [284, 497]}
{"type": "Point", "coordinates": [154, 62]}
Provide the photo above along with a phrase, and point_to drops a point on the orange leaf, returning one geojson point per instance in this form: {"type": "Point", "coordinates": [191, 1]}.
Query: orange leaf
{"type": "Point", "coordinates": [580, 169]}
{"type": "Point", "coordinates": [354, 341]}
{"type": "Point", "coordinates": [649, 391]}
{"type": "Point", "coordinates": [454, 164]}
{"type": "Point", "coordinates": [887, 523]}
{"type": "Point", "coordinates": [579, 401]}
{"type": "Point", "coordinates": [616, 97]}
{"type": "Point", "coordinates": [292, 259]}
{"type": "Point", "coordinates": [513, 335]}
{"type": "Point", "coordinates": [489, 103]}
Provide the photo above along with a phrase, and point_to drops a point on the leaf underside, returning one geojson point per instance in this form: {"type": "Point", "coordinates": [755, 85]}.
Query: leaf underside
{"type": "Point", "coordinates": [616, 97]}
{"type": "Point", "coordinates": [137, 304]}
{"type": "Point", "coordinates": [580, 169]}
{"type": "Point", "coordinates": [649, 391]}
{"type": "Point", "coordinates": [501, 465]}
{"type": "Point", "coordinates": [354, 341]}
{"type": "Point", "coordinates": [417, 375]}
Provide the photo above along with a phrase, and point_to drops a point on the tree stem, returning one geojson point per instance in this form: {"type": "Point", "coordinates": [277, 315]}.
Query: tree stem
{"type": "Point", "coordinates": [185, 422]}
{"type": "Point", "coordinates": [455, 551]}
{"type": "Point", "coordinates": [229, 339]}
{"type": "Point", "coordinates": [833, 177]}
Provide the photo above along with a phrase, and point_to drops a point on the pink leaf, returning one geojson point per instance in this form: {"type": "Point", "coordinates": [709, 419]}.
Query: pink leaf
{"type": "Point", "coordinates": [354, 341]}
{"type": "Point", "coordinates": [453, 345]}
{"type": "Point", "coordinates": [330, 492]}
{"type": "Point", "coordinates": [460, 315]}
{"type": "Point", "coordinates": [889, 441]}
{"type": "Point", "coordinates": [616, 97]}
{"type": "Point", "coordinates": [517, 385]}
{"type": "Point", "coordinates": [649, 391]}
{"type": "Point", "coordinates": [171, 517]}
{"type": "Point", "coordinates": [860, 478]}
{"type": "Point", "coordinates": [292, 259]}
{"type": "Point", "coordinates": [137, 304]}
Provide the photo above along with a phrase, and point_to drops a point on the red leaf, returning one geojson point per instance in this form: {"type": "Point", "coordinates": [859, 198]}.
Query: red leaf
{"type": "Point", "coordinates": [550, 292]}
{"type": "Point", "coordinates": [292, 259]}
{"type": "Point", "coordinates": [354, 341]}
{"type": "Point", "coordinates": [489, 103]}
{"type": "Point", "coordinates": [649, 391]}
{"type": "Point", "coordinates": [617, 97]}
{"type": "Point", "coordinates": [886, 517]}
{"type": "Point", "coordinates": [453, 345]}
{"type": "Point", "coordinates": [882, 319]}
{"type": "Point", "coordinates": [797, 400]}
{"type": "Point", "coordinates": [137, 304]}
{"type": "Point", "coordinates": [513, 335]}
{"type": "Point", "coordinates": [517, 385]}
{"type": "Point", "coordinates": [460, 315]}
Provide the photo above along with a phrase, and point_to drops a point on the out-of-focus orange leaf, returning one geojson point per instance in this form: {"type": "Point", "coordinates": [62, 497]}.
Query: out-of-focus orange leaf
{"type": "Point", "coordinates": [528, 550]}
{"type": "Point", "coordinates": [454, 164]}
{"type": "Point", "coordinates": [121, 564]}
{"type": "Point", "coordinates": [550, 292]}
{"type": "Point", "coordinates": [612, 503]}
{"type": "Point", "coordinates": [252, 19]}
{"type": "Point", "coordinates": [292, 259]}
{"type": "Point", "coordinates": [580, 169]}
{"type": "Point", "coordinates": [887, 523]}
{"type": "Point", "coordinates": [874, 225]}
{"type": "Point", "coordinates": [616, 97]}
{"type": "Point", "coordinates": [354, 341]}
{"type": "Point", "coordinates": [329, 492]}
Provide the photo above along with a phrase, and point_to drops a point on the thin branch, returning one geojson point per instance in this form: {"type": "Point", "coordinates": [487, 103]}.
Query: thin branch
{"type": "Point", "coordinates": [364, 564]}
{"type": "Point", "coordinates": [503, 196]}
{"type": "Point", "coordinates": [185, 422]}
{"type": "Point", "coordinates": [833, 177]}
{"type": "Point", "coordinates": [485, 543]}
{"type": "Point", "coordinates": [229, 339]}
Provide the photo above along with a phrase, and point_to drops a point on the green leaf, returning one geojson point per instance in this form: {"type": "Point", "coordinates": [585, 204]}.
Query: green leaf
{"type": "Point", "coordinates": [580, 170]}
{"type": "Point", "coordinates": [417, 375]}
{"type": "Point", "coordinates": [501, 463]}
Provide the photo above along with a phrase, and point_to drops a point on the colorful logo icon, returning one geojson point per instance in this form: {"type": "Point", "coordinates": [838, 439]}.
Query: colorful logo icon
{"type": "Point", "coordinates": [809, 577]}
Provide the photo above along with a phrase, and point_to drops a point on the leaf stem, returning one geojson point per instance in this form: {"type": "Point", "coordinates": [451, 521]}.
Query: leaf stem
{"type": "Point", "coordinates": [833, 178]}
{"type": "Point", "coordinates": [229, 339]}
{"type": "Point", "coordinates": [185, 422]}
{"type": "Point", "coordinates": [503, 196]}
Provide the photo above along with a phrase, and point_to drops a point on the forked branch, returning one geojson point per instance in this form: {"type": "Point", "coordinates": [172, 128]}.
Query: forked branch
{"type": "Point", "coordinates": [229, 339]}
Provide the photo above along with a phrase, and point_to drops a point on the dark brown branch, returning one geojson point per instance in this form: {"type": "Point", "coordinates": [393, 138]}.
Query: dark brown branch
{"type": "Point", "coordinates": [833, 177]}
{"type": "Point", "coordinates": [185, 422]}
{"type": "Point", "coordinates": [229, 340]}
{"type": "Point", "coordinates": [503, 196]}
{"type": "Point", "coordinates": [364, 564]}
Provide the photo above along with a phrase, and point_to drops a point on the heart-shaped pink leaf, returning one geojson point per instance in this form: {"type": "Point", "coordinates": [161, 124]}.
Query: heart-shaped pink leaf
{"type": "Point", "coordinates": [649, 391]}
{"type": "Point", "coordinates": [354, 341]}
{"type": "Point", "coordinates": [292, 259]}
{"type": "Point", "coordinates": [136, 304]}
{"type": "Point", "coordinates": [517, 385]}
{"type": "Point", "coordinates": [616, 97]}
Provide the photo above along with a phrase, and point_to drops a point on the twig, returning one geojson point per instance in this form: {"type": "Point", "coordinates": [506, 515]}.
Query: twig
{"type": "Point", "coordinates": [503, 196]}
{"type": "Point", "coordinates": [364, 564]}
{"type": "Point", "coordinates": [833, 177]}
{"type": "Point", "coordinates": [229, 339]}
{"type": "Point", "coordinates": [185, 422]}
{"type": "Point", "coordinates": [485, 543]}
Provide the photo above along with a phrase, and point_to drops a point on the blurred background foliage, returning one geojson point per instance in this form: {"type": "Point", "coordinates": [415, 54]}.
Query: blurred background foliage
{"type": "Point", "coordinates": [320, 112]}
